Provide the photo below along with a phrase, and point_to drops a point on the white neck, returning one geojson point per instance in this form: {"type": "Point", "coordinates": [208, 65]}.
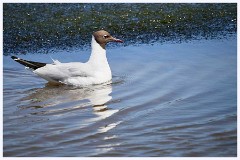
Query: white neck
{"type": "Point", "coordinates": [98, 58]}
{"type": "Point", "coordinates": [98, 54]}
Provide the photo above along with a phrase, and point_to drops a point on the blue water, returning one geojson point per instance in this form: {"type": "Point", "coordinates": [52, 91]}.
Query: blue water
{"type": "Point", "coordinates": [165, 100]}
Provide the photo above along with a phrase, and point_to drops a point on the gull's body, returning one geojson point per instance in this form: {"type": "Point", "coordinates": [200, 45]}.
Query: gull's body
{"type": "Point", "coordinates": [95, 71]}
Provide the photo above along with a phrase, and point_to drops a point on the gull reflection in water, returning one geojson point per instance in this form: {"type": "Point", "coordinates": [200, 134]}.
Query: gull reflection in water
{"type": "Point", "coordinates": [59, 100]}
{"type": "Point", "coordinates": [92, 100]}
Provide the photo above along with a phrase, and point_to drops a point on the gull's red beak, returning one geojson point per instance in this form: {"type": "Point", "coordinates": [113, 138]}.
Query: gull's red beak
{"type": "Point", "coordinates": [117, 40]}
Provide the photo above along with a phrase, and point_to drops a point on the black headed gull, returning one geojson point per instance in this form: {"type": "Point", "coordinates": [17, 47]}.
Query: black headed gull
{"type": "Point", "coordinates": [95, 71]}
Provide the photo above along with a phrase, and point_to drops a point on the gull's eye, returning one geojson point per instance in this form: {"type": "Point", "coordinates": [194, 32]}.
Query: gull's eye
{"type": "Point", "coordinates": [106, 36]}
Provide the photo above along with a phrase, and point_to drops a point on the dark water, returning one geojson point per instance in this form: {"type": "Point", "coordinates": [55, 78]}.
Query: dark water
{"type": "Point", "coordinates": [166, 99]}
{"type": "Point", "coordinates": [41, 28]}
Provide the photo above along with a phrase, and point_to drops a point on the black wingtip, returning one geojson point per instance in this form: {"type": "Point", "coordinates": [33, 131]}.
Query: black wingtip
{"type": "Point", "coordinates": [14, 57]}
{"type": "Point", "coordinates": [31, 64]}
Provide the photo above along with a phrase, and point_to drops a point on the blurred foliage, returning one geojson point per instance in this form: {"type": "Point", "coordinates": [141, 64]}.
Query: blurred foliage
{"type": "Point", "coordinates": [38, 27]}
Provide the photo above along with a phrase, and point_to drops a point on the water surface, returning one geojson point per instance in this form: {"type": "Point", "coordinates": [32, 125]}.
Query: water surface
{"type": "Point", "coordinates": [165, 100]}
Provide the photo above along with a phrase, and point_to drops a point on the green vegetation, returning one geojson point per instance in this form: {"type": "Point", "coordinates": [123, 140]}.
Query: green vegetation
{"type": "Point", "coordinates": [39, 27]}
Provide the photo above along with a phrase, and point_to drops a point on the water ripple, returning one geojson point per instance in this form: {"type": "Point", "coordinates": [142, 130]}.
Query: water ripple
{"type": "Point", "coordinates": [167, 103]}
